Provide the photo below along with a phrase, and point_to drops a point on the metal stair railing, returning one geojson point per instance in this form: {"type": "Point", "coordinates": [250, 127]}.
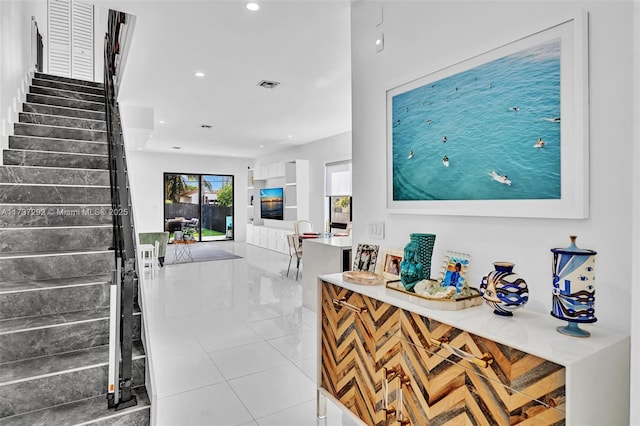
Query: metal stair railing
{"type": "Point", "coordinates": [119, 394]}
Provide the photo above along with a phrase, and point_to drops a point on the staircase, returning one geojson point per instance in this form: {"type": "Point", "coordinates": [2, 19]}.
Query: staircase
{"type": "Point", "coordinates": [55, 263]}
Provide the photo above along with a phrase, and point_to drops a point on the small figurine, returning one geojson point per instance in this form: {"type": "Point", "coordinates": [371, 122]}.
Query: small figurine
{"type": "Point", "coordinates": [411, 271]}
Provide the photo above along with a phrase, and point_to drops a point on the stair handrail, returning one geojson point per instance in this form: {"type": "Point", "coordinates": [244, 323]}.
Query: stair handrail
{"type": "Point", "coordinates": [119, 393]}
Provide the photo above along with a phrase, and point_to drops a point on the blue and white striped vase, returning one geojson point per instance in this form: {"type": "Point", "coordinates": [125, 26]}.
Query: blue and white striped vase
{"type": "Point", "coordinates": [503, 290]}
{"type": "Point", "coordinates": [574, 291]}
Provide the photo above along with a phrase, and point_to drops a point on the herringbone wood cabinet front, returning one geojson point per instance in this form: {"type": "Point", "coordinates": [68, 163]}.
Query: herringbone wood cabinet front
{"type": "Point", "coordinates": [352, 346]}
{"type": "Point", "coordinates": [379, 362]}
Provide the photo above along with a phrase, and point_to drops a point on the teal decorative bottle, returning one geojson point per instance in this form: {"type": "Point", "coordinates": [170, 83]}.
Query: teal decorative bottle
{"type": "Point", "coordinates": [424, 244]}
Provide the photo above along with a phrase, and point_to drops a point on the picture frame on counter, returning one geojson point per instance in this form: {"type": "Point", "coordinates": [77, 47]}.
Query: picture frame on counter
{"type": "Point", "coordinates": [492, 135]}
{"type": "Point", "coordinates": [454, 269]}
{"type": "Point", "coordinates": [366, 257]}
{"type": "Point", "coordinates": [389, 266]}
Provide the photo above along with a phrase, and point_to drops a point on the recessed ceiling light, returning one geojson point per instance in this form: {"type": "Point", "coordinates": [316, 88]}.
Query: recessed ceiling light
{"type": "Point", "coordinates": [161, 121]}
{"type": "Point", "coordinates": [261, 146]}
{"type": "Point", "coordinates": [253, 6]}
{"type": "Point", "coordinates": [199, 74]}
{"type": "Point", "coordinates": [290, 136]}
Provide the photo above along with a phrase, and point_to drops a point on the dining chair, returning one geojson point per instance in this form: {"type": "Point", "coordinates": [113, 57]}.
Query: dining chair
{"type": "Point", "coordinates": [303, 226]}
{"type": "Point", "coordinates": [295, 248]}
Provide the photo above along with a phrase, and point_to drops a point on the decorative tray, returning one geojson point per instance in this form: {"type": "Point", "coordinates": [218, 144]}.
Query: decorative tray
{"type": "Point", "coordinates": [362, 277]}
{"type": "Point", "coordinates": [444, 302]}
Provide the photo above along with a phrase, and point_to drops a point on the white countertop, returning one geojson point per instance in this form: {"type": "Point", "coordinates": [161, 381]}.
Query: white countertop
{"type": "Point", "coordinates": [527, 330]}
{"type": "Point", "coordinates": [341, 242]}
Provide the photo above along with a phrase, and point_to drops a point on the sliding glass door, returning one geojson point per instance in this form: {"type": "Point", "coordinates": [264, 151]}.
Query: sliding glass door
{"type": "Point", "coordinates": [198, 205]}
{"type": "Point", "coordinates": [217, 207]}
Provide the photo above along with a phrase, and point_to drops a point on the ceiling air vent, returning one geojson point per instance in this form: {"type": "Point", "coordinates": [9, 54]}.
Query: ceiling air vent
{"type": "Point", "coordinates": [268, 84]}
{"type": "Point", "coordinates": [206, 126]}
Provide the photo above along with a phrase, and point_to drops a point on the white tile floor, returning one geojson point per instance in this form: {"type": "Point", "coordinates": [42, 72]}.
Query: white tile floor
{"type": "Point", "coordinates": [231, 344]}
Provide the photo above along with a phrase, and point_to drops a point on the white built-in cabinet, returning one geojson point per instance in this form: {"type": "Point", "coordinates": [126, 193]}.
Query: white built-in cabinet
{"type": "Point", "coordinates": [293, 177]}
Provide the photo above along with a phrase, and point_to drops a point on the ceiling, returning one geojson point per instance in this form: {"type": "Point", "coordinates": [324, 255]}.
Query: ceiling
{"type": "Point", "coordinates": [302, 44]}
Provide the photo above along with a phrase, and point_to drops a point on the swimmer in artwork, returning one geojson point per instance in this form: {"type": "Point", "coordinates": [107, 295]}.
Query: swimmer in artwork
{"type": "Point", "coordinates": [445, 161]}
{"type": "Point", "coordinates": [500, 178]}
{"type": "Point", "coordinates": [540, 143]}
{"type": "Point", "coordinates": [444, 139]}
{"type": "Point", "coordinates": [411, 154]}
{"type": "Point", "coordinates": [515, 108]}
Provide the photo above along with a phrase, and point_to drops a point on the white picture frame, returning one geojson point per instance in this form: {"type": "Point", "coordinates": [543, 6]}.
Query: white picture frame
{"type": "Point", "coordinates": [571, 199]}
{"type": "Point", "coordinates": [389, 266]}
{"type": "Point", "coordinates": [454, 262]}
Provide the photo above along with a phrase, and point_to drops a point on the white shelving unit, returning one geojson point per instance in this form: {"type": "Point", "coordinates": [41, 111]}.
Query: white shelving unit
{"type": "Point", "coordinates": [293, 177]}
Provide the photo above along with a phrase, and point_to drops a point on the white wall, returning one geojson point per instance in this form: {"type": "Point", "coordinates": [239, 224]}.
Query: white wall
{"type": "Point", "coordinates": [320, 152]}
{"type": "Point", "coordinates": [147, 182]}
{"type": "Point", "coordinates": [635, 230]}
{"type": "Point", "coordinates": [423, 37]}
{"type": "Point", "coordinates": [16, 63]}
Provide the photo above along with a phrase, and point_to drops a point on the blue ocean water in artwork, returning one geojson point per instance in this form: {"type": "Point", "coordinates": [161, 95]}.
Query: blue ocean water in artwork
{"type": "Point", "coordinates": [487, 122]}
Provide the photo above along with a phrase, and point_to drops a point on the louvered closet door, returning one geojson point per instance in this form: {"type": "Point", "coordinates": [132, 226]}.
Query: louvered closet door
{"type": "Point", "coordinates": [71, 39]}
{"type": "Point", "coordinates": [60, 37]}
{"type": "Point", "coordinates": [82, 41]}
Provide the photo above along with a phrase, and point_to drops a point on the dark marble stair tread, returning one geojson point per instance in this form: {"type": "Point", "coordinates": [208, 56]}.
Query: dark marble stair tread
{"type": "Point", "coordinates": [22, 157]}
{"type": "Point", "coordinates": [59, 132]}
{"type": "Point", "coordinates": [86, 411]}
{"type": "Point", "coordinates": [65, 102]}
{"type": "Point", "coordinates": [37, 143]}
{"type": "Point", "coordinates": [47, 239]}
{"type": "Point", "coordinates": [63, 111]}
{"type": "Point", "coordinates": [15, 371]}
{"type": "Point", "coordinates": [62, 121]}
{"type": "Point", "coordinates": [34, 285]}
{"type": "Point", "coordinates": [52, 175]}
{"type": "Point", "coordinates": [27, 323]}
{"type": "Point", "coordinates": [12, 325]}
{"type": "Point", "coordinates": [69, 94]}
{"type": "Point", "coordinates": [51, 253]}
{"type": "Point", "coordinates": [42, 82]}
{"type": "Point", "coordinates": [45, 76]}
{"type": "Point", "coordinates": [79, 154]}
{"type": "Point", "coordinates": [69, 215]}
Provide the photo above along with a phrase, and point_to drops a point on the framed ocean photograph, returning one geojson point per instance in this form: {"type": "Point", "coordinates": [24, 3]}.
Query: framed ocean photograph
{"type": "Point", "coordinates": [504, 133]}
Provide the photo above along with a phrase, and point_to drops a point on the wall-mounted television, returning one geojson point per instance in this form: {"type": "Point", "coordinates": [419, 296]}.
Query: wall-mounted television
{"type": "Point", "coordinates": [272, 203]}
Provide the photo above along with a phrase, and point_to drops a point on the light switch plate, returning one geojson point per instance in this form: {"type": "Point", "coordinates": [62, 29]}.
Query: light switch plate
{"type": "Point", "coordinates": [376, 230]}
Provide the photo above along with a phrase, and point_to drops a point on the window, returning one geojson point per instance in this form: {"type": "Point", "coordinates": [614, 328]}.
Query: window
{"type": "Point", "coordinates": [338, 192]}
